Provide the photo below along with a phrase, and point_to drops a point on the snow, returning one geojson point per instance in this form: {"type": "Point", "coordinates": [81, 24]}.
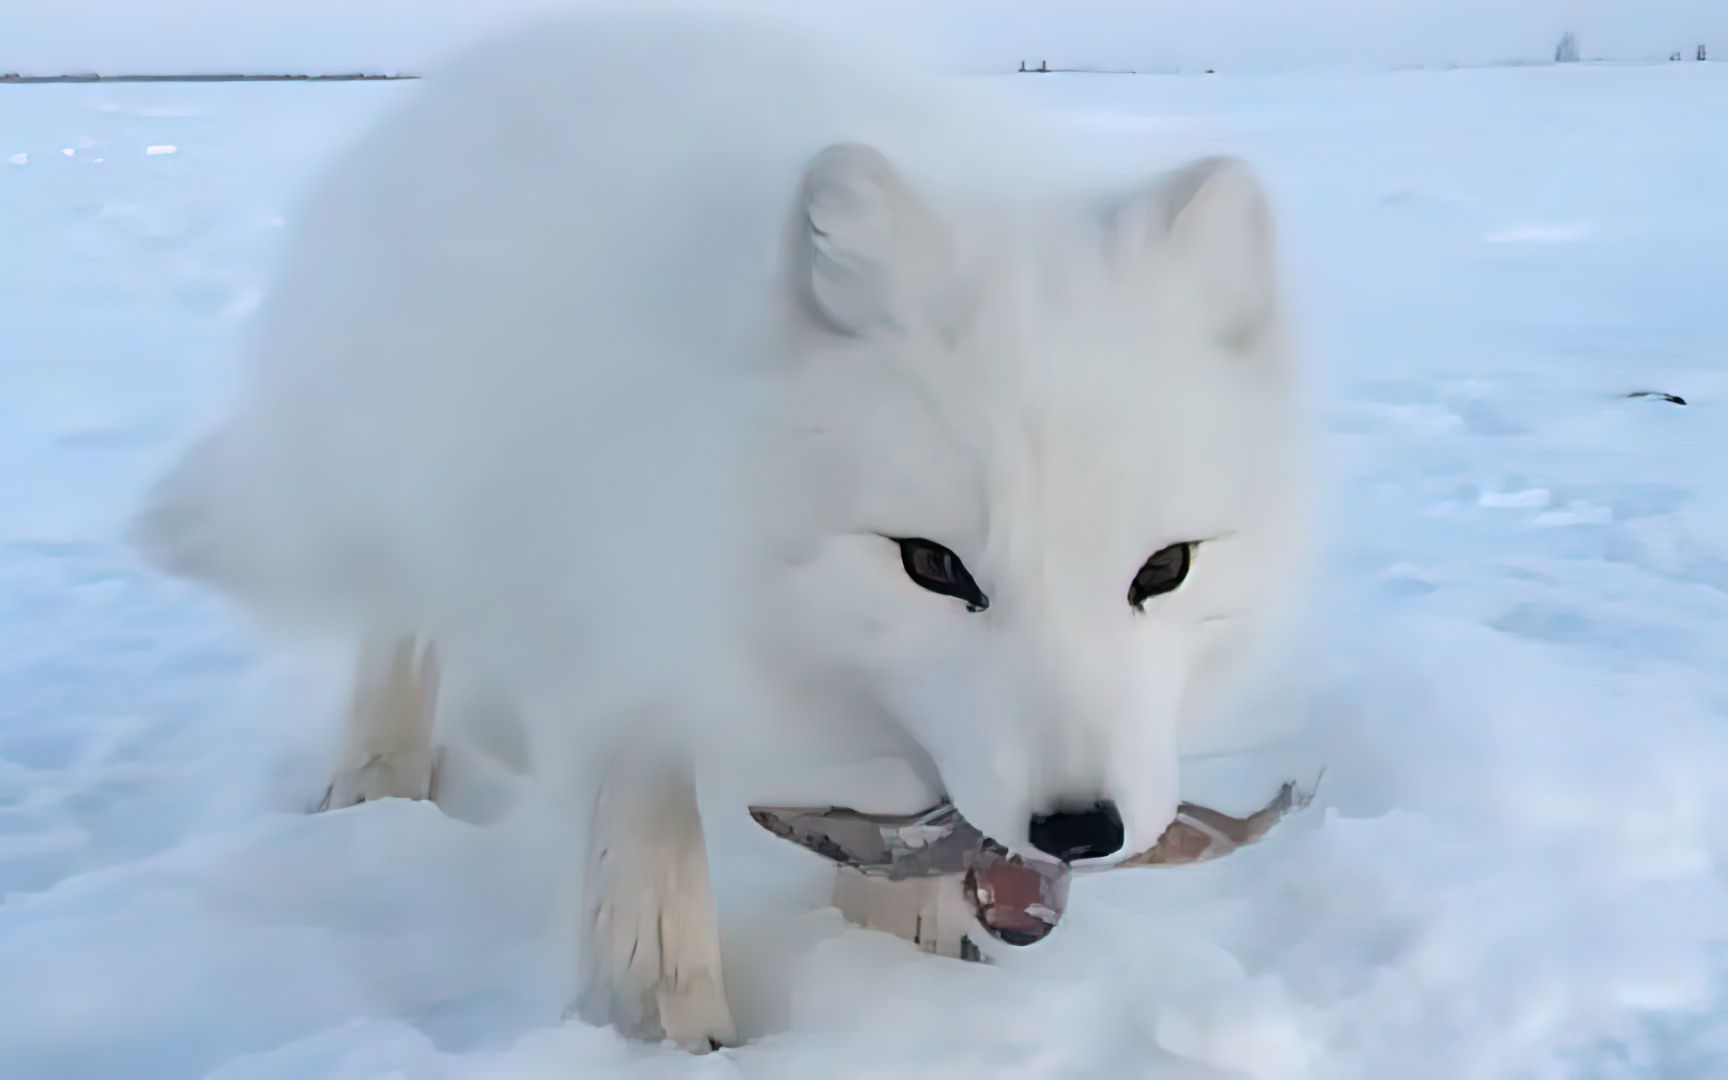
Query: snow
{"type": "Point", "coordinates": [1516, 500]}
{"type": "Point", "coordinates": [1514, 867]}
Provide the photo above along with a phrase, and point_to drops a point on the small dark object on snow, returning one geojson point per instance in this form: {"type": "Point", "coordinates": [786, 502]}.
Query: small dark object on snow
{"type": "Point", "coordinates": [1672, 399]}
{"type": "Point", "coordinates": [1702, 55]}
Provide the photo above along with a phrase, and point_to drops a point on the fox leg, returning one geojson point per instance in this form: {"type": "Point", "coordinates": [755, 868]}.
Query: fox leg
{"type": "Point", "coordinates": [650, 936]}
{"type": "Point", "coordinates": [387, 749]}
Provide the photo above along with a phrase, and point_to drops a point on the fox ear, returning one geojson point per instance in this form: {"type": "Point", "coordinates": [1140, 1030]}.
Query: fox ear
{"type": "Point", "coordinates": [1213, 224]}
{"type": "Point", "coordinates": [863, 243]}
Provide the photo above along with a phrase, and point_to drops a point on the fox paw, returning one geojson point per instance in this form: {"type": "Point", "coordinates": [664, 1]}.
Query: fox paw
{"type": "Point", "coordinates": [409, 775]}
{"type": "Point", "coordinates": [652, 971]}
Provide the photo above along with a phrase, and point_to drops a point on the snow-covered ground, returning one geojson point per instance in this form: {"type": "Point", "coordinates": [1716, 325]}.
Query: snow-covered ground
{"type": "Point", "coordinates": [1514, 869]}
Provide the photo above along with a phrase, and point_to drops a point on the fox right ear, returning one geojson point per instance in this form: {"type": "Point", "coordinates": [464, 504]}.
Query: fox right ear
{"type": "Point", "coordinates": [1213, 221]}
{"type": "Point", "coordinates": [863, 243]}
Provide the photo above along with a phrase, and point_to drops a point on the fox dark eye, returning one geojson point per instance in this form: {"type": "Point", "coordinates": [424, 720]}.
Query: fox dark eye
{"type": "Point", "coordinates": [1162, 573]}
{"type": "Point", "coordinates": [936, 568]}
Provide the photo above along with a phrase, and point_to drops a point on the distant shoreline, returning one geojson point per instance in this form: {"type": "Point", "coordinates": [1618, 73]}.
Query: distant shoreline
{"type": "Point", "coordinates": [14, 78]}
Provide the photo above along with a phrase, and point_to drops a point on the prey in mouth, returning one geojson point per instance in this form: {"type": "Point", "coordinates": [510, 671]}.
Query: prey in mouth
{"type": "Point", "coordinates": [920, 863]}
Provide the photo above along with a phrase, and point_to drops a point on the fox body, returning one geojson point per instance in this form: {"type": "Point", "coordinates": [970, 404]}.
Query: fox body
{"type": "Point", "coordinates": [714, 397]}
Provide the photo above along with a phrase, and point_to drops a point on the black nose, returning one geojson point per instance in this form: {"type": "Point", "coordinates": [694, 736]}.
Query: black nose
{"type": "Point", "coordinates": [1091, 833]}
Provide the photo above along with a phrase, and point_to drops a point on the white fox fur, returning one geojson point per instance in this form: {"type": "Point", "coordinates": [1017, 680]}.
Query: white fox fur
{"type": "Point", "coordinates": [613, 363]}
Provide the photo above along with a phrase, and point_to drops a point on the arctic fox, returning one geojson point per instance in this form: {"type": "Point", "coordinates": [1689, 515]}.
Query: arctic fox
{"type": "Point", "coordinates": [709, 395]}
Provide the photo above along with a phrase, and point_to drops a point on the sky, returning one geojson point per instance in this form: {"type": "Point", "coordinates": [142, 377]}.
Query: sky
{"type": "Point", "coordinates": [110, 36]}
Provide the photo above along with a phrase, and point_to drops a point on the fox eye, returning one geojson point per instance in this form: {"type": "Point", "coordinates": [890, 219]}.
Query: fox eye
{"type": "Point", "coordinates": [1162, 573]}
{"type": "Point", "coordinates": [936, 568]}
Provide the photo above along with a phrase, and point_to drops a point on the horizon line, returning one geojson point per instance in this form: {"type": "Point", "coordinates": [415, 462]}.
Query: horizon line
{"type": "Point", "coordinates": [15, 78]}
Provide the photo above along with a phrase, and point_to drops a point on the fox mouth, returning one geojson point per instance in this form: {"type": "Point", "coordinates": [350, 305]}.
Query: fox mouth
{"type": "Point", "coordinates": [1016, 899]}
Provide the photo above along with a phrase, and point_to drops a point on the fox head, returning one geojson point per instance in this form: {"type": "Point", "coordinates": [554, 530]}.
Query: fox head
{"type": "Point", "coordinates": [1053, 458]}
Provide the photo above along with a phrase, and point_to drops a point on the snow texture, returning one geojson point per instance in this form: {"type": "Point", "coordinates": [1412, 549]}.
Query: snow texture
{"type": "Point", "coordinates": [1514, 866]}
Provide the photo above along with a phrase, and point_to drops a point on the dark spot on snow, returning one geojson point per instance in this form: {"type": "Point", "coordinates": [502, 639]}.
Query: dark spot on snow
{"type": "Point", "coordinates": [1672, 399]}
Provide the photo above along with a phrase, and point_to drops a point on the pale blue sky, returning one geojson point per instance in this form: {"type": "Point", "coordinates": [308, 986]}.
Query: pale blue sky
{"type": "Point", "coordinates": [110, 35]}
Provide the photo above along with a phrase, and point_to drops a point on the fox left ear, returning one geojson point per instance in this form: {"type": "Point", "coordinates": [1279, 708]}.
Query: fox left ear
{"type": "Point", "coordinates": [1211, 224]}
{"type": "Point", "coordinates": [864, 245]}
